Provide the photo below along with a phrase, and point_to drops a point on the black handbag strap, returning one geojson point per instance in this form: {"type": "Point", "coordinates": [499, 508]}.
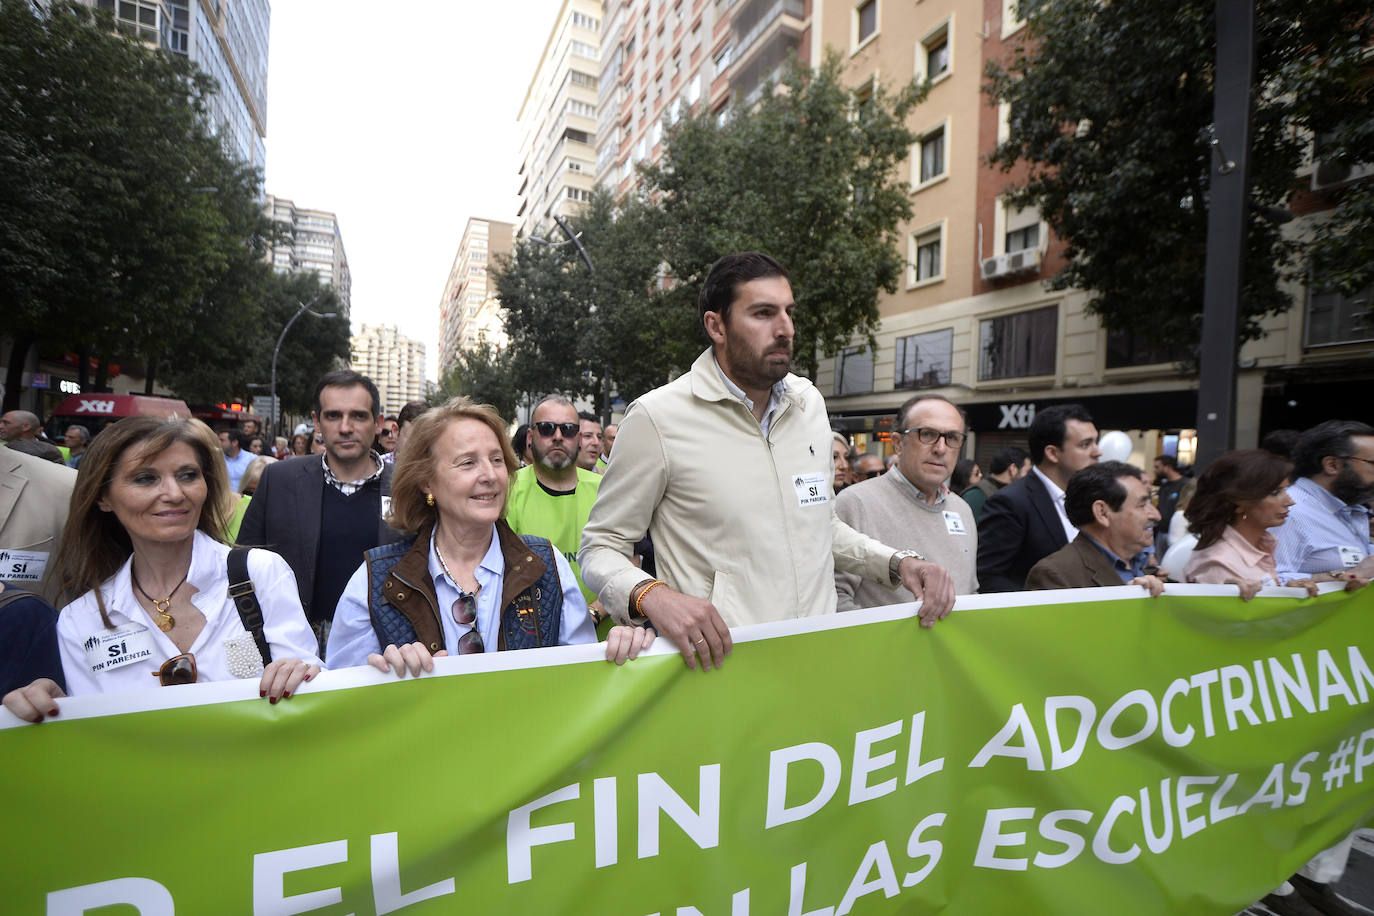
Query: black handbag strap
{"type": "Point", "coordinates": [246, 600]}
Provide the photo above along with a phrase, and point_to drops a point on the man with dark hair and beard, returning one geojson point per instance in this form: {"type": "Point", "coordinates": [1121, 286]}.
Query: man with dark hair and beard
{"type": "Point", "coordinates": [1328, 526]}
{"type": "Point", "coordinates": [728, 468]}
{"type": "Point", "coordinates": [552, 497]}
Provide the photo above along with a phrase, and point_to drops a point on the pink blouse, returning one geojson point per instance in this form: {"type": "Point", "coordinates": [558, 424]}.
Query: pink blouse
{"type": "Point", "coordinates": [1231, 556]}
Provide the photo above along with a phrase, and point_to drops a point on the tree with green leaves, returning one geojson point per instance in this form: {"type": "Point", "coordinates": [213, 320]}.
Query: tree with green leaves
{"type": "Point", "coordinates": [807, 173]}
{"type": "Point", "coordinates": [483, 374]}
{"type": "Point", "coordinates": [119, 210]}
{"type": "Point", "coordinates": [1111, 105]}
{"type": "Point", "coordinates": [573, 325]}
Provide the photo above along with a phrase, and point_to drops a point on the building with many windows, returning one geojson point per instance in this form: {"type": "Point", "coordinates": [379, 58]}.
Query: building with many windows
{"type": "Point", "coordinates": [558, 117]}
{"type": "Point", "coordinates": [973, 319]}
{"type": "Point", "coordinates": [310, 242]}
{"type": "Point", "coordinates": [469, 312]}
{"type": "Point", "coordinates": [225, 38]}
{"type": "Point", "coordinates": [395, 362]}
{"type": "Point", "coordinates": [663, 58]}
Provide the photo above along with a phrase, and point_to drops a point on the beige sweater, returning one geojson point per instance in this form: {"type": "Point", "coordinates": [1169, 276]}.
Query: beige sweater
{"type": "Point", "coordinates": [887, 508]}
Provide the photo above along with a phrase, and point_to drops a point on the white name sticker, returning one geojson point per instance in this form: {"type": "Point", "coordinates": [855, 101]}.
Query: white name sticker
{"type": "Point", "coordinates": [23, 565]}
{"type": "Point", "coordinates": [386, 506]}
{"type": "Point", "coordinates": [954, 524]}
{"type": "Point", "coordinates": [1351, 557]}
{"type": "Point", "coordinates": [811, 489]}
{"type": "Point", "coordinates": [110, 649]}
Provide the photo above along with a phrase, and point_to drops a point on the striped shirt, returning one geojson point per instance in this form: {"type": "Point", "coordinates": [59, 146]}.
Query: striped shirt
{"type": "Point", "coordinates": [1322, 533]}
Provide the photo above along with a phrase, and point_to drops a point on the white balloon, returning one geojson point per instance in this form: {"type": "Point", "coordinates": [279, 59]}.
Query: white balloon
{"type": "Point", "coordinates": [1176, 557]}
{"type": "Point", "coordinates": [1115, 446]}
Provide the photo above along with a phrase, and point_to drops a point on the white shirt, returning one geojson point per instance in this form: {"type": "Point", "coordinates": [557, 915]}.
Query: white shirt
{"type": "Point", "coordinates": [88, 648]}
{"type": "Point", "coordinates": [1057, 497]}
{"type": "Point", "coordinates": [352, 638]}
{"type": "Point", "coordinates": [774, 397]}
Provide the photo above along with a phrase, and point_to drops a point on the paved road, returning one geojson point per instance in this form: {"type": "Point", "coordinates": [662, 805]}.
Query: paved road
{"type": "Point", "coordinates": [1357, 885]}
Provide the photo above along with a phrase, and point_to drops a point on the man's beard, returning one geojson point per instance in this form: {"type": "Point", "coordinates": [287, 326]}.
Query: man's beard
{"type": "Point", "coordinates": [1350, 489]}
{"type": "Point", "coordinates": [541, 457]}
{"type": "Point", "coordinates": [753, 370]}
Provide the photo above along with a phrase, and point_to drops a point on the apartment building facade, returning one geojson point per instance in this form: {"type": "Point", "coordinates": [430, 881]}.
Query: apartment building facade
{"type": "Point", "coordinates": [469, 312]}
{"type": "Point", "coordinates": [310, 243]}
{"type": "Point", "coordinates": [974, 320]}
{"type": "Point", "coordinates": [228, 39]}
{"type": "Point", "coordinates": [557, 119]}
{"type": "Point", "coordinates": [395, 362]}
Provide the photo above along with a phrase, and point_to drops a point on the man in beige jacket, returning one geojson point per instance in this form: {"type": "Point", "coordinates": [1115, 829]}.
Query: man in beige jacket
{"type": "Point", "coordinates": [752, 538]}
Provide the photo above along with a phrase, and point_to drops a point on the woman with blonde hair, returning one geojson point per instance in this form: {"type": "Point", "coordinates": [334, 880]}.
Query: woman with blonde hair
{"type": "Point", "coordinates": [462, 582]}
{"type": "Point", "coordinates": [146, 574]}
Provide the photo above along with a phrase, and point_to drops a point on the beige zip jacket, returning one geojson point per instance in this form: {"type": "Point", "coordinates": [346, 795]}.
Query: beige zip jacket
{"type": "Point", "coordinates": [745, 522]}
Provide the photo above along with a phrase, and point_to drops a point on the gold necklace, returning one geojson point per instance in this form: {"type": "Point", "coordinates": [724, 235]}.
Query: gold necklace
{"type": "Point", "coordinates": [440, 554]}
{"type": "Point", "coordinates": [164, 621]}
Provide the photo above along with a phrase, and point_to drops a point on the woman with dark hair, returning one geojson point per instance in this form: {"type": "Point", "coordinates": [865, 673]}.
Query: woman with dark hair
{"type": "Point", "coordinates": [966, 474]}
{"type": "Point", "coordinates": [1239, 497]}
{"type": "Point", "coordinates": [145, 572]}
{"type": "Point", "coordinates": [463, 582]}
{"type": "Point", "coordinates": [300, 445]}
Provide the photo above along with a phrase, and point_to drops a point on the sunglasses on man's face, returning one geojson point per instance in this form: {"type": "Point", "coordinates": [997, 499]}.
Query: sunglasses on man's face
{"type": "Point", "coordinates": [180, 669]}
{"type": "Point", "coordinates": [869, 475]}
{"type": "Point", "coordinates": [546, 429]}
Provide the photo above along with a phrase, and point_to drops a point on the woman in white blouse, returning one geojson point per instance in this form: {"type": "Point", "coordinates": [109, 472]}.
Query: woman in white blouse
{"type": "Point", "coordinates": [145, 571]}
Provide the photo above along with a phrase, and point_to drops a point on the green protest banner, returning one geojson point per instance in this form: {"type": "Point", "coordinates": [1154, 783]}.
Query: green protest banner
{"type": "Point", "coordinates": [1177, 754]}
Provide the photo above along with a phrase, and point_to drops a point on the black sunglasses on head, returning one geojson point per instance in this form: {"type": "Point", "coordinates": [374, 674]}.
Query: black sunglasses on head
{"type": "Point", "coordinates": [546, 429]}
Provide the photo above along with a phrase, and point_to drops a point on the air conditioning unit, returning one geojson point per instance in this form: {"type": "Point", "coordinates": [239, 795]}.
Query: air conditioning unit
{"type": "Point", "coordinates": [1330, 173]}
{"type": "Point", "coordinates": [1005, 265]}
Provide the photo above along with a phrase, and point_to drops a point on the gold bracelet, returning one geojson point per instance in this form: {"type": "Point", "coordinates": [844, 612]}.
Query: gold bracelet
{"type": "Point", "coordinates": [639, 601]}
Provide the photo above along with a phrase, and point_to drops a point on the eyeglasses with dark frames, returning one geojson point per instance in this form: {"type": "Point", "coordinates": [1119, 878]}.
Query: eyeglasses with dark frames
{"type": "Point", "coordinates": [927, 435]}
{"type": "Point", "coordinates": [180, 669]}
{"type": "Point", "coordinates": [1369, 461]}
{"type": "Point", "coordinates": [464, 612]}
{"type": "Point", "coordinates": [546, 429]}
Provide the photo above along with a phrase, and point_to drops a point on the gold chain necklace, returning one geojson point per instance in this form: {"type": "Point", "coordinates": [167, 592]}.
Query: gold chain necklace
{"type": "Point", "coordinates": [164, 621]}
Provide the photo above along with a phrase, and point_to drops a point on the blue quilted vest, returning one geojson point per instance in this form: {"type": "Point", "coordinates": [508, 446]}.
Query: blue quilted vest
{"type": "Point", "coordinates": [532, 619]}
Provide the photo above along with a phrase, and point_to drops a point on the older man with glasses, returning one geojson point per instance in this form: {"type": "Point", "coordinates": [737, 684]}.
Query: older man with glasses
{"type": "Point", "coordinates": [911, 506]}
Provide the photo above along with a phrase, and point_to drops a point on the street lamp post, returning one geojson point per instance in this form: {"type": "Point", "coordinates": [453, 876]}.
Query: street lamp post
{"type": "Point", "coordinates": [276, 351]}
{"type": "Point", "coordinates": [587, 260]}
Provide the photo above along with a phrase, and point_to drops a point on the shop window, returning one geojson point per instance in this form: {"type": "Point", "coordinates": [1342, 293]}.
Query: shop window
{"type": "Point", "coordinates": [854, 371]}
{"type": "Point", "coordinates": [1017, 345]}
{"type": "Point", "coordinates": [923, 360]}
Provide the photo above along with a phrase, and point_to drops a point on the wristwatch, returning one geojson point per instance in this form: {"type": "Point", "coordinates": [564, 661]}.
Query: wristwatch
{"type": "Point", "coordinates": [896, 561]}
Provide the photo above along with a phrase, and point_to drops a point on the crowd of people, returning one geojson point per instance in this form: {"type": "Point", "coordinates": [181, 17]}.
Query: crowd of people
{"type": "Point", "coordinates": [182, 555]}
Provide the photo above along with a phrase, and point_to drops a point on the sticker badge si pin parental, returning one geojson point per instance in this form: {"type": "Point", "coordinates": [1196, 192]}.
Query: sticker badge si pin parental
{"type": "Point", "coordinates": [116, 648]}
{"type": "Point", "coordinates": [23, 565]}
{"type": "Point", "coordinates": [811, 489]}
{"type": "Point", "coordinates": [954, 524]}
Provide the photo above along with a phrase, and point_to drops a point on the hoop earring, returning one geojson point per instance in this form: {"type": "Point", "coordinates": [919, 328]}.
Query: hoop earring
{"type": "Point", "coordinates": [429, 499]}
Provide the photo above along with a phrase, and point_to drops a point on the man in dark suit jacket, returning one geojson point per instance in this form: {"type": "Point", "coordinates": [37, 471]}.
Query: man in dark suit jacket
{"type": "Point", "coordinates": [322, 512]}
{"type": "Point", "coordinates": [1025, 521]}
{"type": "Point", "coordinates": [1110, 505]}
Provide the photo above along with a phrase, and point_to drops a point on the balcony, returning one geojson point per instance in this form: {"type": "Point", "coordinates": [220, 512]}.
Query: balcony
{"type": "Point", "coordinates": [755, 18]}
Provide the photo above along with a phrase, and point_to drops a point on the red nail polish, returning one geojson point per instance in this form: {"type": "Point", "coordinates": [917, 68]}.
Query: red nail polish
{"type": "Point", "coordinates": [262, 693]}
{"type": "Point", "coordinates": [286, 696]}
{"type": "Point", "coordinates": [273, 701]}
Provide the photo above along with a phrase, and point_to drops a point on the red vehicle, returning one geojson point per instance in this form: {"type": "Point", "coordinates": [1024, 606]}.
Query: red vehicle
{"type": "Point", "coordinates": [96, 411]}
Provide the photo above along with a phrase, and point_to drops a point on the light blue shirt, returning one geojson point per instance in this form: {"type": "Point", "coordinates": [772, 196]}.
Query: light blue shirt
{"type": "Point", "coordinates": [237, 466]}
{"type": "Point", "coordinates": [1322, 534]}
{"type": "Point", "coordinates": [352, 638]}
{"type": "Point", "coordinates": [774, 397]}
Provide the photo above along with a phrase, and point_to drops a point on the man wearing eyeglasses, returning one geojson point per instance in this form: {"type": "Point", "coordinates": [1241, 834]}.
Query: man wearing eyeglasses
{"type": "Point", "coordinates": [728, 468]}
{"type": "Point", "coordinates": [552, 497]}
{"type": "Point", "coordinates": [1025, 522]}
{"type": "Point", "coordinates": [911, 505]}
{"type": "Point", "coordinates": [1328, 524]}
{"type": "Point", "coordinates": [866, 467]}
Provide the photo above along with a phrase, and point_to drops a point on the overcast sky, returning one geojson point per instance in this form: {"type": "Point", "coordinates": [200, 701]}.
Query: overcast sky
{"type": "Point", "coordinates": [400, 118]}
